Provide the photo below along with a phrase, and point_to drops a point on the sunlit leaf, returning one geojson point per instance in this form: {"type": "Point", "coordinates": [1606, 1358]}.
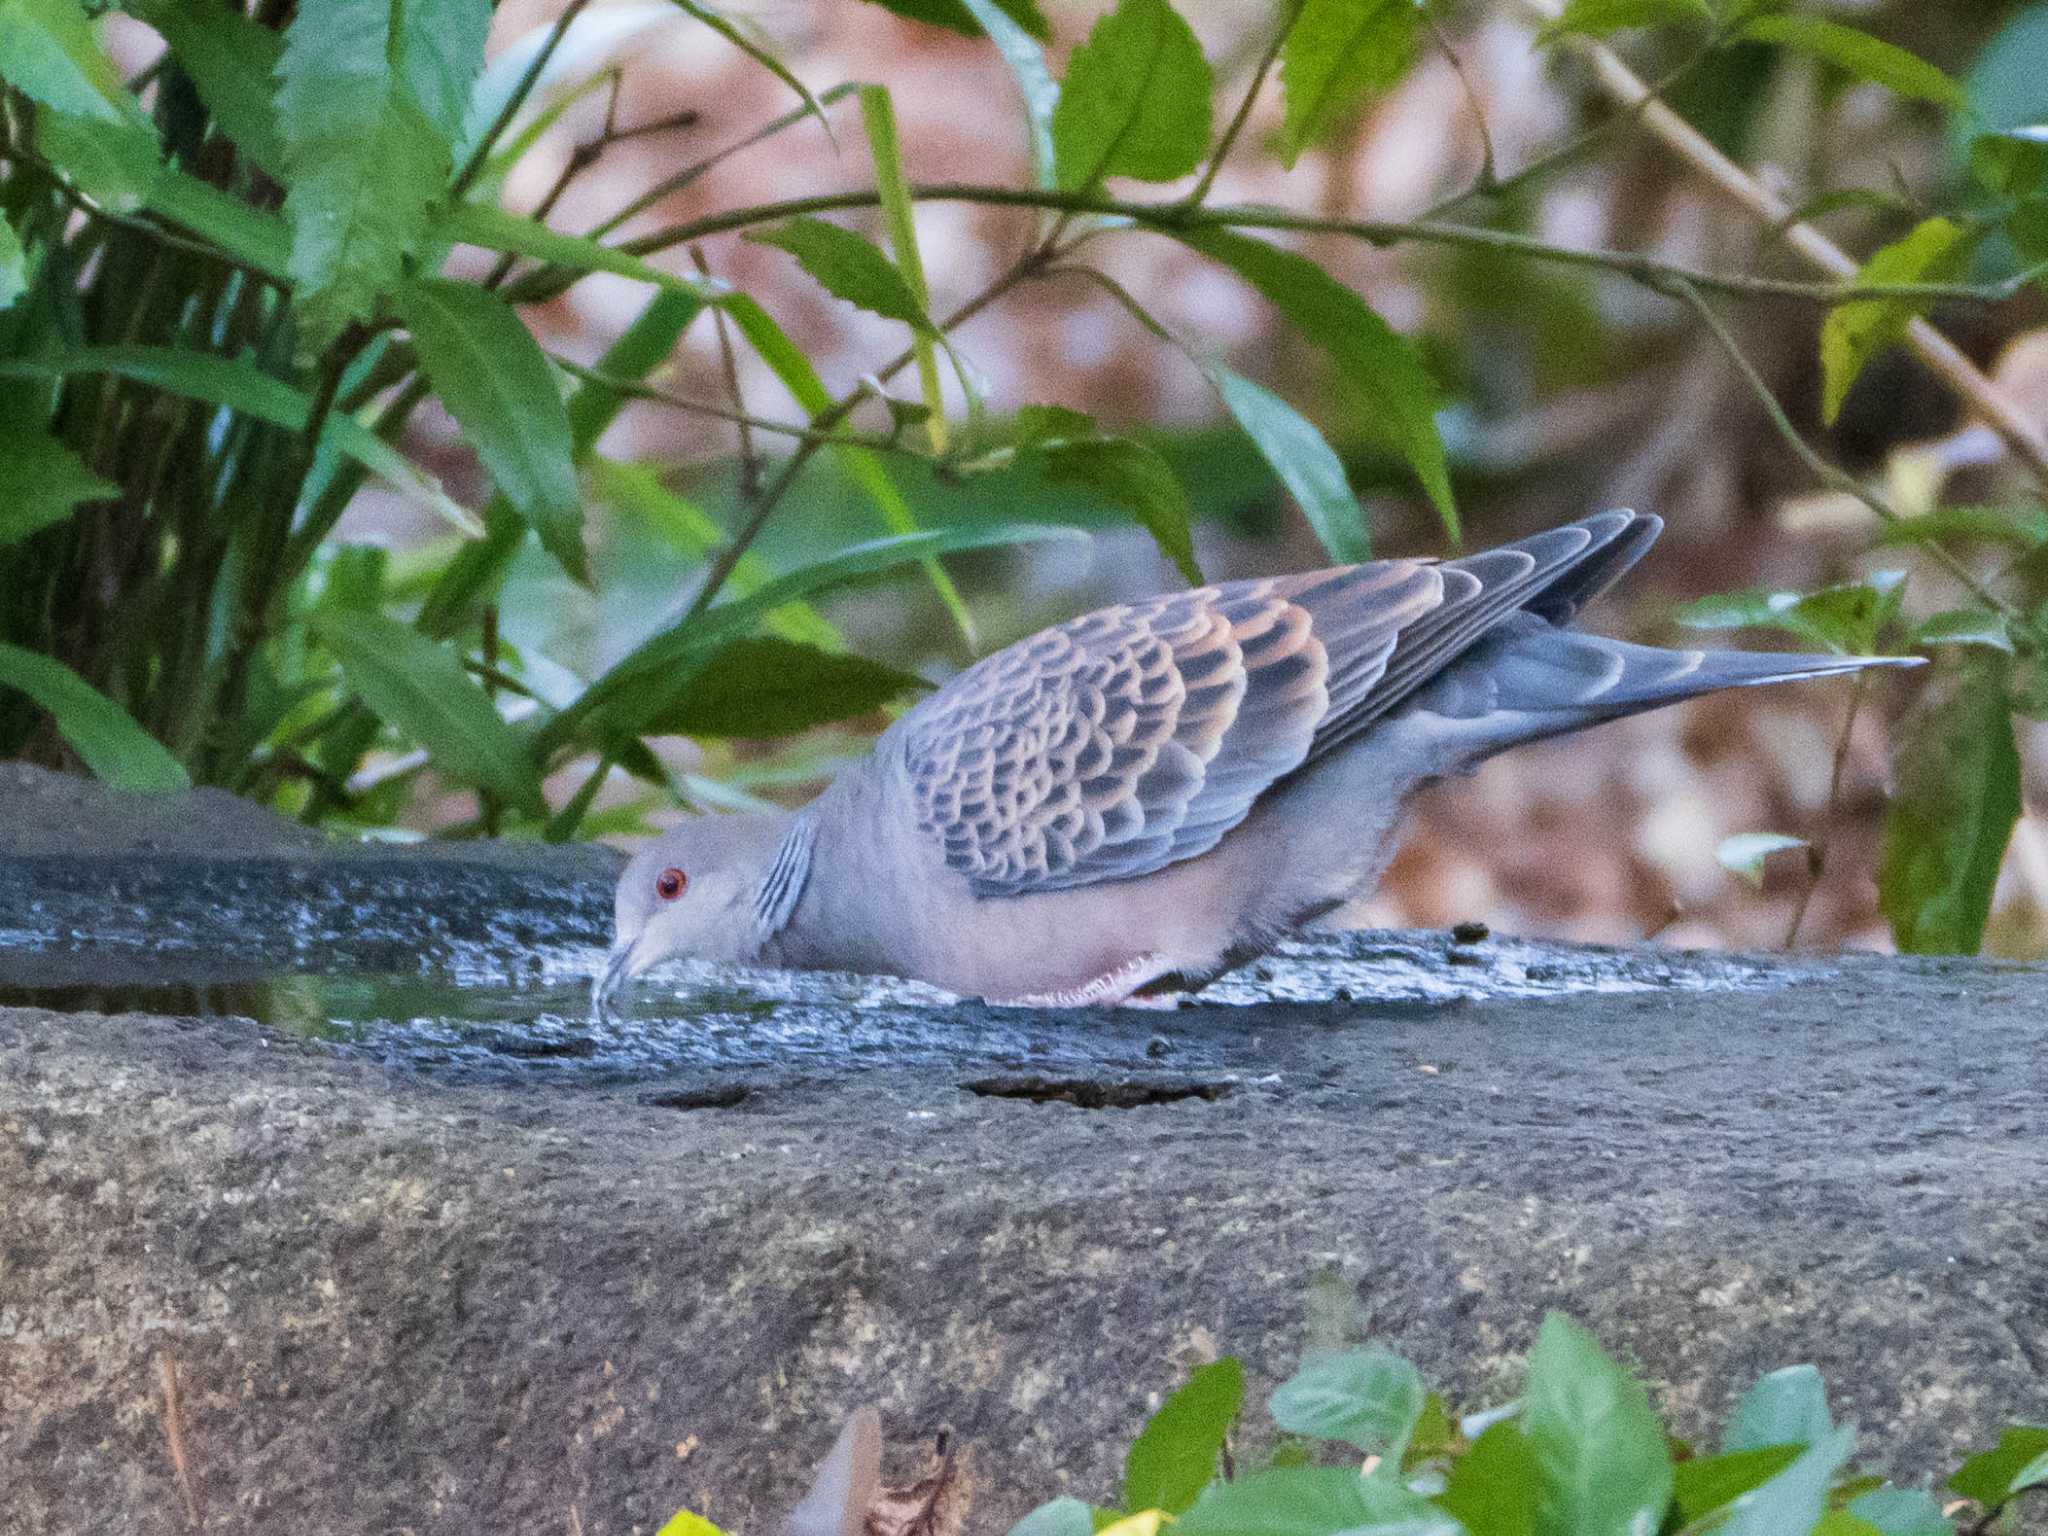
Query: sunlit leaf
{"type": "Point", "coordinates": [1368, 1398]}
{"type": "Point", "coordinates": [1946, 829]}
{"type": "Point", "coordinates": [1304, 461]}
{"type": "Point", "coordinates": [1864, 56]}
{"type": "Point", "coordinates": [1175, 1456]}
{"type": "Point", "coordinates": [684, 1523]}
{"type": "Point", "coordinates": [2022, 527]}
{"type": "Point", "coordinates": [1313, 1501]}
{"type": "Point", "coordinates": [848, 266]}
{"type": "Point", "coordinates": [103, 734]}
{"type": "Point", "coordinates": [492, 376]}
{"type": "Point", "coordinates": [1135, 101]}
{"type": "Point", "coordinates": [1492, 1488]}
{"type": "Point", "coordinates": [1744, 854]}
{"type": "Point", "coordinates": [1991, 1477]}
{"type": "Point", "coordinates": [1847, 619]}
{"type": "Point", "coordinates": [1854, 333]}
{"type": "Point", "coordinates": [1337, 51]}
{"type": "Point", "coordinates": [1600, 1454]}
{"type": "Point", "coordinates": [419, 687]}
{"type": "Point", "coordinates": [1397, 396]}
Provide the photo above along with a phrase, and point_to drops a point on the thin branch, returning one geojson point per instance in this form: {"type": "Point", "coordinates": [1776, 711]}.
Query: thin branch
{"type": "Point", "coordinates": [635, 389]}
{"type": "Point", "coordinates": [1817, 850]}
{"type": "Point", "coordinates": [481, 155]}
{"type": "Point", "coordinates": [1827, 474]}
{"type": "Point", "coordinates": [1488, 177]}
{"type": "Point", "coordinates": [2021, 432]}
{"type": "Point", "coordinates": [1238, 118]}
{"type": "Point", "coordinates": [728, 365]}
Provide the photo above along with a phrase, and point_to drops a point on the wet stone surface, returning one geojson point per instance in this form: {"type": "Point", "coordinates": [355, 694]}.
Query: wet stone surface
{"type": "Point", "coordinates": [432, 1251]}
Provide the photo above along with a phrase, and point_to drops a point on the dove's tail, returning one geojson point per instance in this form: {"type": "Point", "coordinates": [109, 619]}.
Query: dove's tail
{"type": "Point", "coordinates": [1530, 680]}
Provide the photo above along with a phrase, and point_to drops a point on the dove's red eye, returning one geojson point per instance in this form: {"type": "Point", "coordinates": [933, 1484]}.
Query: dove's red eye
{"type": "Point", "coordinates": [670, 884]}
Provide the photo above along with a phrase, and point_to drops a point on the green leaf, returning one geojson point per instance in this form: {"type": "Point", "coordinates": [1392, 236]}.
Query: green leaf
{"type": "Point", "coordinates": [1336, 52]}
{"type": "Point", "coordinates": [241, 386]}
{"type": "Point", "coordinates": [1061, 1517]}
{"type": "Point", "coordinates": [418, 686]}
{"type": "Point", "coordinates": [1706, 1483]}
{"type": "Point", "coordinates": [848, 266]}
{"type": "Point", "coordinates": [103, 734]}
{"type": "Point", "coordinates": [1991, 1477]}
{"type": "Point", "coordinates": [684, 1523]}
{"type": "Point", "coordinates": [1847, 619]}
{"type": "Point", "coordinates": [1175, 1456]}
{"type": "Point", "coordinates": [43, 479]}
{"type": "Point", "coordinates": [1369, 1398]}
{"type": "Point", "coordinates": [365, 89]}
{"type": "Point", "coordinates": [1950, 819]}
{"type": "Point", "coordinates": [232, 61]}
{"type": "Point", "coordinates": [1744, 853]}
{"type": "Point", "coordinates": [878, 116]}
{"type": "Point", "coordinates": [1493, 1487]}
{"type": "Point", "coordinates": [1137, 479]}
{"type": "Point", "coordinates": [1305, 463]}
{"type": "Point", "coordinates": [1397, 396]}
{"type": "Point", "coordinates": [496, 382]}
{"type": "Point", "coordinates": [1312, 1501]}
{"type": "Point", "coordinates": [2021, 527]}
{"type": "Point", "coordinates": [957, 17]}
{"type": "Point", "coordinates": [1019, 46]}
{"type": "Point", "coordinates": [13, 266]}
{"type": "Point", "coordinates": [48, 52]}
{"type": "Point", "coordinates": [759, 686]}
{"type": "Point", "coordinates": [1786, 1407]}
{"type": "Point", "coordinates": [1854, 333]}
{"type": "Point", "coordinates": [1965, 626]}
{"type": "Point", "coordinates": [116, 164]}
{"type": "Point", "coordinates": [495, 229]}
{"type": "Point", "coordinates": [2012, 162]}
{"type": "Point", "coordinates": [1597, 18]}
{"type": "Point", "coordinates": [1135, 101]}
{"type": "Point", "coordinates": [1864, 56]}
{"type": "Point", "coordinates": [253, 236]}
{"type": "Point", "coordinates": [1793, 1501]}
{"type": "Point", "coordinates": [1600, 1453]}
{"type": "Point", "coordinates": [1901, 1512]}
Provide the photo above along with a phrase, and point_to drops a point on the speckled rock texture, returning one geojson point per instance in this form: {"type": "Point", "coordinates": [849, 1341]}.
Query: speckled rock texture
{"type": "Point", "coordinates": [397, 1303]}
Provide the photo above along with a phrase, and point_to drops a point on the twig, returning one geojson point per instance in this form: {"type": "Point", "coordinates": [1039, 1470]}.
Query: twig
{"type": "Point", "coordinates": [636, 390]}
{"type": "Point", "coordinates": [728, 365]}
{"type": "Point", "coordinates": [481, 155]}
{"type": "Point", "coordinates": [2024, 435]}
{"type": "Point", "coordinates": [581, 159]}
{"type": "Point", "coordinates": [1488, 178]}
{"type": "Point", "coordinates": [190, 1490]}
{"type": "Point", "coordinates": [1239, 117]}
{"type": "Point", "coordinates": [1817, 850]}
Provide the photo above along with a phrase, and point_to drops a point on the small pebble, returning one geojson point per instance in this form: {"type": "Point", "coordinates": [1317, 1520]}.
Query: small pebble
{"type": "Point", "coordinates": [1471, 933]}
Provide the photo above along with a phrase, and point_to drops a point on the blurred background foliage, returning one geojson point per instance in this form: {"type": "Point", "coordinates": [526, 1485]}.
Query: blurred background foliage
{"type": "Point", "coordinates": [536, 420]}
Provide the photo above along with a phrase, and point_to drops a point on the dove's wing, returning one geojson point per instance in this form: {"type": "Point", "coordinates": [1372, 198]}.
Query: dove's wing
{"type": "Point", "coordinates": [1136, 737]}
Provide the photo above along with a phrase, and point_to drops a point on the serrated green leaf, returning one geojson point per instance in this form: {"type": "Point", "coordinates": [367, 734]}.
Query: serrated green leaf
{"type": "Point", "coordinates": [41, 480]}
{"type": "Point", "coordinates": [1137, 479]}
{"type": "Point", "coordinates": [1493, 1487]}
{"type": "Point", "coordinates": [1369, 1398]}
{"type": "Point", "coordinates": [1965, 626]}
{"type": "Point", "coordinates": [1304, 461]}
{"type": "Point", "coordinates": [848, 266]}
{"type": "Point", "coordinates": [1060, 1517]}
{"type": "Point", "coordinates": [364, 96]}
{"type": "Point", "coordinates": [1744, 855]}
{"type": "Point", "coordinates": [1864, 56]}
{"type": "Point", "coordinates": [761, 685]}
{"type": "Point", "coordinates": [1397, 396]}
{"type": "Point", "coordinates": [1786, 1407]}
{"type": "Point", "coordinates": [1602, 1465]}
{"type": "Point", "coordinates": [1991, 1477]}
{"type": "Point", "coordinates": [1135, 101]}
{"type": "Point", "coordinates": [48, 52]}
{"type": "Point", "coordinates": [115, 163]}
{"type": "Point", "coordinates": [1597, 18]}
{"type": "Point", "coordinates": [495, 381]}
{"type": "Point", "coordinates": [1946, 829]}
{"type": "Point", "coordinates": [1019, 46]}
{"type": "Point", "coordinates": [1175, 1455]}
{"type": "Point", "coordinates": [103, 734]}
{"type": "Point", "coordinates": [13, 266]}
{"type": "Point", "coordinates": [1337, 52]}
{"type": "Point", "coordinates": [957, 17]}
{"type": "Point", "coordinates": [1901, 1512]}
{"type": "Point", "coordinates": [232, 61]}
{"type": "Point", "coordinates": [254, 236]}
{"type": "Point", "coordinates": [1854, 333]}
{"type": "Point", "coordinates": [419, 687]}
{"type": "Point", "coordinates": [1791, 1502]}
{"type": "Point", "coordinates": [1313, 1501]}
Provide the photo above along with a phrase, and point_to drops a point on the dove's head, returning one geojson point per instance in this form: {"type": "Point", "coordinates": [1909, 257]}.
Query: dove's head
{"type": "Point", "coordinates": [691, 894]}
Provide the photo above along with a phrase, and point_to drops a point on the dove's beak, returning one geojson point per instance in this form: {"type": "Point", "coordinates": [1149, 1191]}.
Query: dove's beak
{"type": "Point", "coordinates": [625, 964]}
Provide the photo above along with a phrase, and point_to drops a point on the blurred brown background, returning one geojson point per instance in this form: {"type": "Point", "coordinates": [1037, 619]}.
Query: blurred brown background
{"type": "Point", "coordinates": [1569, 391]}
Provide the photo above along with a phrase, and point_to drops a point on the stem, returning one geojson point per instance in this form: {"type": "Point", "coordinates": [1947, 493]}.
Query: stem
{"type": "Point", "coordinates": [728, 363]}
{"type": "Point", "coordinates": [634, 389]}
{"type": "Point", "coordinates": [480, 156]}
{"type": "Point", "coordinates": [1817, 851]}
{"type": "Point", "coordinates": [1238, 118]}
